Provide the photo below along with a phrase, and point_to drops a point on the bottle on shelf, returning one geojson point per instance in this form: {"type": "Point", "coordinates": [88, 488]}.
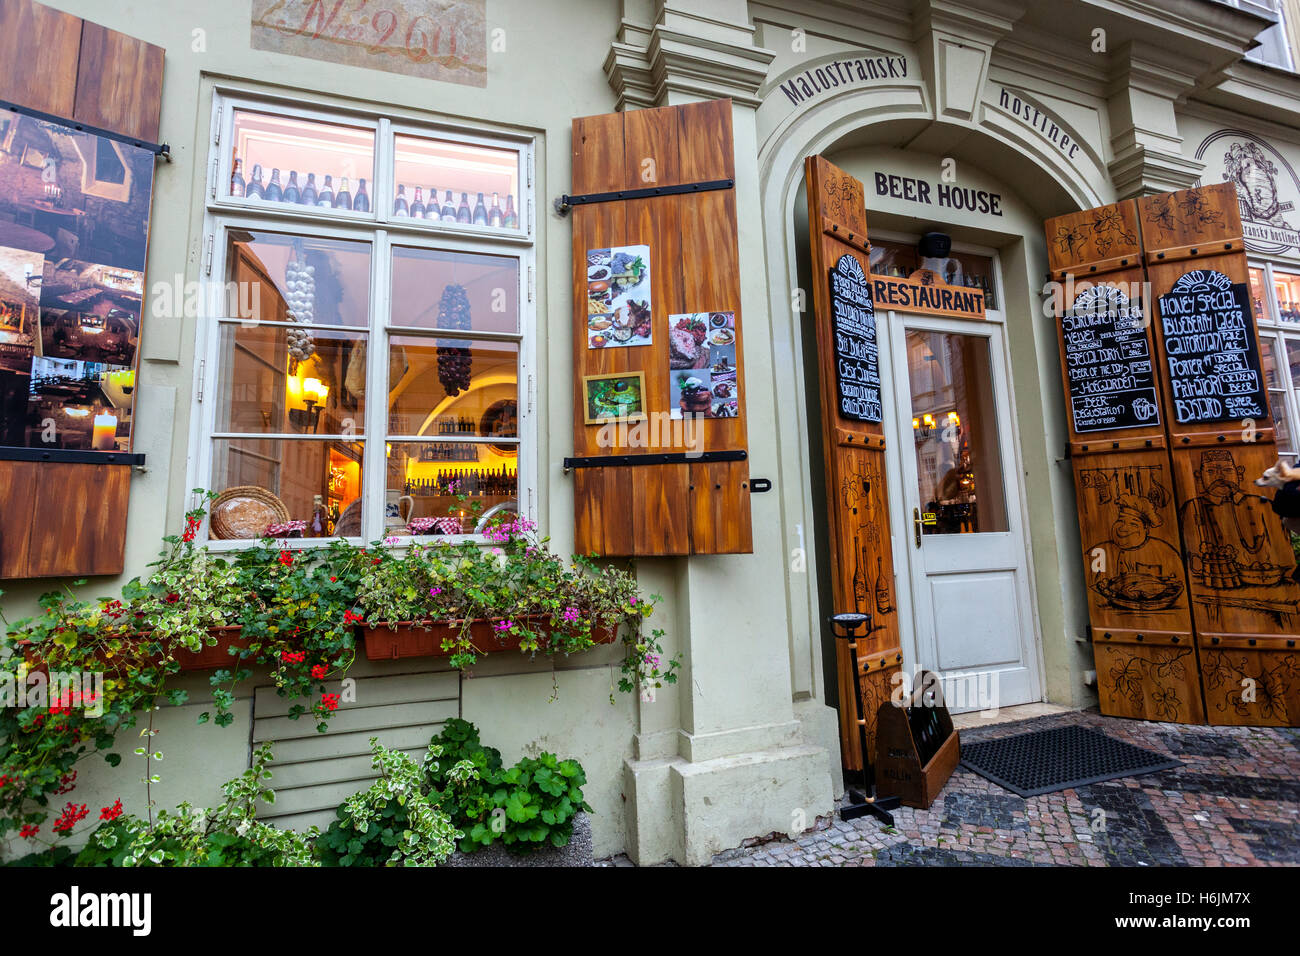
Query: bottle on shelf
{"type": "Point", "coordinates": [361, 203]}
{"type": "Point", "coordinates": [254, 189]}
{"type": "Point", "coordinates": [882, 587]}
{"type": "Point", "coordinates": [495, 217]}
{"type": "Point", "coordinates": [273, 191]}
{"type": "Point", "coordinates": [399, 204]}
{"type": "Point", "coordinates": [432, 211]}
{"type": "Point", "coordinates": [308, 197]}
{"type": "Point", "coordinates": [859, 579]}
{"type": "Point", "coordinates": [417, 207]}
{"type": "Point", "coordinates": [480, 212]}
{"type": "Point", "coordinates": [237, 184]}
{"type": "Point", "coordinates": [318, 520]}
{"type": "Point", "coordinates": [343, 200]}
{"type": "Point", "coordinates": [326, 195]}
{"type": "Point", "coordinates": [291, 192]}
{"type": "Point", "coordinates": [448, 207]}
{"type": "Point", "coordinates": [463, 213]}
{"type": "Point", "coordinates": [511, 217]}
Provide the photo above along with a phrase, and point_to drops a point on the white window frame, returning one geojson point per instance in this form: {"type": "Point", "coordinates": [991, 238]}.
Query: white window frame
{"type": "Point", "coordinates": [1277, 332]}
{"type": "Point", "coordinates": [384, 233]}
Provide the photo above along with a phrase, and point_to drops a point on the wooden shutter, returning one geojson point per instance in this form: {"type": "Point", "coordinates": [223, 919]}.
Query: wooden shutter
{"type": "Point", "coordinates": [683, 506]}
{"type": "Point", "coordinates": [64, 517]}
{"type": "Point", "coordinates": [1143, 648]}
{"type": "Point", "coordinates": [1235, 603]}
{"type": "Point", "coordinates": [857, 499]}
{"type": "Point", "coordinates": [1245, 605]}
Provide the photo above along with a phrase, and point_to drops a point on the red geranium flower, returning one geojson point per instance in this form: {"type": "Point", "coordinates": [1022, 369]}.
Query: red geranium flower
{"type": "Point", "coordinates": [350, 618]}
{"type": "Point", "coordinates": [29, 831]}
{"type": "Point", "coordinates": [286, 558]}
{"type": "Point", "coordinates": [293, 657]}
{"type": "Point", "coordinates": [113, 812]}
{"type": "Point", "coordinates": [329, 702]}
{"type": "Point", "coordinates": [319, 670]}
{"type": "Point", "coordinates": [70, 816]}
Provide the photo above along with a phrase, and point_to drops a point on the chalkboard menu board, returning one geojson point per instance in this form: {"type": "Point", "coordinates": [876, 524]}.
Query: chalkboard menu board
{"type": "Point", "coordinates": [1211, 353]}
{"type": "Point", "coordinates": [857, 358]}
{"type": "Point", "coordinates": [1108, 362]}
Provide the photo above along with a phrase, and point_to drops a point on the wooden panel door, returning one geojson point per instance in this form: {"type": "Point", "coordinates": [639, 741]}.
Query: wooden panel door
{"type": "Point", "coordinates": [857, 496]}
{"type": "Point", "coordinates": [683, 507]}
{"type": "Point", "coordinates": [1240, 566]}
{"type": "Point", "coordinates": [1134, 579]}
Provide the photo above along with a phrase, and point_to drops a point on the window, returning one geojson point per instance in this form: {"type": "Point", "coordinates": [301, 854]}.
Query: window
{"type": "Point", "coordinates": [1275, 294]}
{"type": "Point", "coordinates": [1274, 48]}
{"type": "Point", "coordinates": [891, 258]}
{"type": "Point", "coordinates": [363, 358]}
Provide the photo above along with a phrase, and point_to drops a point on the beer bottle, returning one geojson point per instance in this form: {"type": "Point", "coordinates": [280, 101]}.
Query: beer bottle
{"type": "Point", "coordinates": [326, 195]}
{"type": "Point", "coordinates": [431, 211]}
{"type": "Point", "coordinates": [308, 197]}
{"type": "Point", "coordinates": [480, 212]}
{"type": "Point", "coordinates": [237, 185]}
{"type": "Point", "coordinates": [511, 217]}
{"type": "Point", "coordinates": [417, 207]}
{"type": "Point", "coordinates": [362, 201]}
{"type": "Point", "coordinates": [448, 208]}
{"type": "Point", "coordinates": [463, 213]}
{"type": "Point", "coordinates": [273, 191]}
{"type": "Point", "coordinates": [496, 218]}
{"type": "Point", "coordinates": [344, 198]}
{"type": "Point", "coordinates": [254, 189]}
{"type": "Point", "coordinates": [291, 192]}
{"type": "Point", "coordinates": [399, 204]}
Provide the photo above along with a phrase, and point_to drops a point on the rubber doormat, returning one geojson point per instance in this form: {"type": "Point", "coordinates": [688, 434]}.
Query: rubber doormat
{"type": "Point", "coordinates": [1044, 761]}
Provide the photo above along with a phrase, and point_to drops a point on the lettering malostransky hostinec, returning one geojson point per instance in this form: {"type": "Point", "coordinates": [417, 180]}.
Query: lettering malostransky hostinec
{"type": "Point", "coordinates": [1268, 188]}
{"type": "Point", "coordinates": [1210, 349]}
{"type": "Point", "coordinates": [435, 39]}
{"type": "Point", "coordinates": [1108, 362]}
{"type": "Point", "coordinates": [857, 357]}
{"type": "Point", "coordinates": [1032, 116]}
{"type": "Point", "coordinates": [838, 74]}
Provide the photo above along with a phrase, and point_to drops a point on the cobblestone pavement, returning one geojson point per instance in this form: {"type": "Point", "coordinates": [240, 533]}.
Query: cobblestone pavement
{"type": "Point", "coordinates": [1234, 802]}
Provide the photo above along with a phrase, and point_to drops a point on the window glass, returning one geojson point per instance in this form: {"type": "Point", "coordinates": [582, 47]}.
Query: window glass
{"type": "Point", "coordinates": [312, 481]}
{"type": "Point", "coordinates": [287, 161]}
{"type": "Point", "coordinates": [452, 485]}
{"type": "Point", "coordinates": [274, 277]}
{"type": "Point", "coordinates": [265, 389]}
{"type": "Point", "coordinates": [1257, 299]}
{"type": "Point", "coordinates": [889, 258]}
{"type": "Point", "coordinates": [1275, 378]}
{"type": "Point", "coordinates": [459, 291]}
{"type": "Point", "coordinates": [438, 180]}
{"type": "Point", "coordinates": [1286, 285]}
{"type": "Point", "coordinates": [451, 387]}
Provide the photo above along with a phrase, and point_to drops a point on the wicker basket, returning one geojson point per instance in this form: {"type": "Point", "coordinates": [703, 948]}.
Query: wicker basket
{"type": "Point", "coordinates": [246, 511]}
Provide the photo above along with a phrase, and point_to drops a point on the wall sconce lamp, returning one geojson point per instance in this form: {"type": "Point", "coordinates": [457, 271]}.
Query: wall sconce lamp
{"type": "Point", "coordinates": [310, 393]}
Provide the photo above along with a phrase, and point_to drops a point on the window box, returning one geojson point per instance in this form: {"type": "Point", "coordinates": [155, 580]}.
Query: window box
{"type": "Point", "coordinates": [395, 640]}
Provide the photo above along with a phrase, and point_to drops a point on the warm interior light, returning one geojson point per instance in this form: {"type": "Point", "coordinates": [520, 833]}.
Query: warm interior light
{"type": "Point", "coordinates": [929, 420]}
{"type": "Point", "coordinates": [916, 423]}
{"type": "Point", "coordinates": [105, 434]}
{"type": "Point", "coordinates": [953, 418]}
{"type": "Point", "coordinates": [76, 412]}
{"type": "Point", "coordinates": [312, 391]}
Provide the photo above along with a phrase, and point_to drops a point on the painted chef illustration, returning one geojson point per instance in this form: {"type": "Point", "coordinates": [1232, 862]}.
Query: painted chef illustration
{"type": "Point", "coordinates": [1225, 529]}
{"type": "Point", "coordinates": [1131, 552]}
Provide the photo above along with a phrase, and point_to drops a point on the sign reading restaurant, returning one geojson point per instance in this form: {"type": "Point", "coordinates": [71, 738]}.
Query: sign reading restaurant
{"type": "Point", "coordinates": [1268, 189]}
{"type": "Point", "coordinates": [843, 73]}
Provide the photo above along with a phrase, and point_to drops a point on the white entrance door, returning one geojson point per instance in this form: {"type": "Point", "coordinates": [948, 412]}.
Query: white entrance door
{"type": "Point", "coordinates": [960, 497]}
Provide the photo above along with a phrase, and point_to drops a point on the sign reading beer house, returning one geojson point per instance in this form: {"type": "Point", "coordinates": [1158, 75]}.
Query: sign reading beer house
{"type": "Point", "coordinates": [857, 358]}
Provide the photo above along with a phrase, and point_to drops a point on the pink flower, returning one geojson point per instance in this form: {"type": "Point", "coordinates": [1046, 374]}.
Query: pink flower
{"type": "Point", "coordinates": [571, 615]}
{"type": "Point", "coordinates": [434, 592]}
{"type": "Point", "coordinates": [391, 539]}
{"type": "Point", "coordinates": [504, 626]}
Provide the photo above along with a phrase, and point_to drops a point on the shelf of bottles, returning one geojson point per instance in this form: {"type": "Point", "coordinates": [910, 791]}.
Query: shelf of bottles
{"type": "Point", "coordinates": [502, 482]}
{"type": "Point", "coordinates": [287, 161]}
{"type": "Point", "coordinates": [447, 182]}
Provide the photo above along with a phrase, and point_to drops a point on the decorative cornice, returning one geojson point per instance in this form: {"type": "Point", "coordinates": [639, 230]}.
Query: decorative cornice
{"type": "Point", "coordinates": [1141, 172]}
{"type": "Point", "coordinates": [714, 60]}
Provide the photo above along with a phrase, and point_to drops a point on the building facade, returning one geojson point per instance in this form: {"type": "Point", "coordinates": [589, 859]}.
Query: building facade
{"type": "Point", "coordinates": [978, 119]}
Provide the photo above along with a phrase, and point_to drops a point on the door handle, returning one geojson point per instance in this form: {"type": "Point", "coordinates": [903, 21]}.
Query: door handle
{"type": "Point", "coordinates": [916, 525]}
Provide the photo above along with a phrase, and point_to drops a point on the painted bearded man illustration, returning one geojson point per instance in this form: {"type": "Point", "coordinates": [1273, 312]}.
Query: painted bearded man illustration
{"type": "Point", "coordinates": [1226, 531]}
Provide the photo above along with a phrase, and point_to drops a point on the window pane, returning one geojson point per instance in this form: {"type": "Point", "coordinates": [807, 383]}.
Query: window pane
{"type": "Point", "coordinates": [955, 430]}
{"type": "Point", "coordinates": [281, 278]}
{"type": "Point", "coordinates": [455, 290]}
{"type": "Point", "coordinates": [443, 181]}
{"type": "Point", "coordinates": [299, 162]}
{"type": "Point", "coordinates": [901, 259]}
{"type": "Point", "coordinates": [1287, 287]}
{"type": "Point", "coordinates": [1276, 380]}
{"type": "Point", "coordinates": [450, 387]}
{"type": "Point", "coordinates": [262, 388]}
{"type": "Point", "coordinates": [423, 485]}
{"type": "Point", "coordinates": [318, 482]}
{"type": "Point", "coordinates": [1257, 300]}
